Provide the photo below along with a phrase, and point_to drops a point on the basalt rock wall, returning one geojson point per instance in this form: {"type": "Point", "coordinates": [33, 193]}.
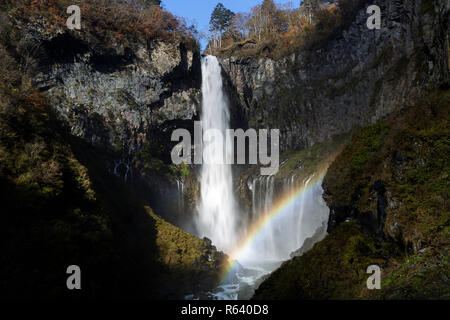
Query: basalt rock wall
{"type": "Point", "coordinates": [356, 79]}
{"type": "Point", "coordinates": [124, 99]}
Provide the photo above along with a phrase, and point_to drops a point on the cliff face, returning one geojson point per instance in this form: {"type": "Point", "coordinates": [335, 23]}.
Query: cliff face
{"type": "Point", "coordinates": [115, 98]}
{"type": "Point", "coordinates": [122, 98]}
{"type": "Point", "coordinates": [356, 79]}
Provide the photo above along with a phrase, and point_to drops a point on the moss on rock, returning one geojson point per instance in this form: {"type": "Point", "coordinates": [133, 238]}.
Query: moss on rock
{"type": "Point", "coordinates": [334, 269]}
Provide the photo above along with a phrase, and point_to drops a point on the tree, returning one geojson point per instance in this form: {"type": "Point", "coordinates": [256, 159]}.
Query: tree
{"type": "Point", "coordinates": [256, 22]}
{"type": "Point", "coordinates": [220, 20]}
{"type": "Point", "coordinates": [240, 24]}
{"type": "Point", "coordinates": [269, 13]}
{"type": "Point", "coordinates": [268, 7]}
{"type": "Point", "coordinates": [308, 7]}
{"type": "Point", "coordinates": [267, 20]}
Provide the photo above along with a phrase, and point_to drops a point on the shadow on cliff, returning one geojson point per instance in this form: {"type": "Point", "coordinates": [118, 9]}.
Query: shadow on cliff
{"type": "Point", "coordinates": [139, 268]}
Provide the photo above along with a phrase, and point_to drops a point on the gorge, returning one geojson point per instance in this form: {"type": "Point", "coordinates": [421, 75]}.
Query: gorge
{"type": "Point", "coordinates": [87, 176]}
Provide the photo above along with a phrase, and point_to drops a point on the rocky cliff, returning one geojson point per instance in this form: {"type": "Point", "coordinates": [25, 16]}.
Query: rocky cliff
{"type": "Point", "coordinates": [124, 98]}
{"type": "Point", "coordinates": [354, 80]}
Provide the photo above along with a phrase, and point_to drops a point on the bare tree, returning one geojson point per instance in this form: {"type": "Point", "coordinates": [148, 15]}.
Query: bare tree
{"type": "Point", "coordinates": [256, 23]}
{"type": "Point", "coordinates": [240, 23]}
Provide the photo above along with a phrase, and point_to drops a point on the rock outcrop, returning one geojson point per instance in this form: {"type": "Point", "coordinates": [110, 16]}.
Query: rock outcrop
{"type": "Point", "coordinates": [116, 96]}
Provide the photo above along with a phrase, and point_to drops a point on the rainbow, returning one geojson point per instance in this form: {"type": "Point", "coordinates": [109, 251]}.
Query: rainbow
{"type": "Point", "coordinates": [277, 209]}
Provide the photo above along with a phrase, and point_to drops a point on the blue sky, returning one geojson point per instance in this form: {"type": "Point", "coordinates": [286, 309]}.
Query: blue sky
{"type": "Point", "coordinates": [200, 10]}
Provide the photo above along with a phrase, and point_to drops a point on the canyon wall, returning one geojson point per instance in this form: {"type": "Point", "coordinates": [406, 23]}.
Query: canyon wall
{"type": "Point", "coordinates": [355, 80]}
{"type": "Point", "coordinates": [122, 98]}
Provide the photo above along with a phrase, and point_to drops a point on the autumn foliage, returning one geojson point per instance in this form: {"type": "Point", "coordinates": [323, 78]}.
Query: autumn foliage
{"type": "Point", "coordinates": [278, 30]}
{"type": "Point", "coordinates": [110, 21]}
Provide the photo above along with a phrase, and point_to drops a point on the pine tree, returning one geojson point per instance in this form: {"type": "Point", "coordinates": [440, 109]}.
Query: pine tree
{"type": "Point", "coordinates": [220, 20]}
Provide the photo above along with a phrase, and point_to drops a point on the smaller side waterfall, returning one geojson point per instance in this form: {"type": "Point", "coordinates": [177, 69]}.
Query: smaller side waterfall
{"type": "Point", "coordinates": [298, 220]}
{"type": "Point", "coordinates": [180, 200]}
{"type": "Point", "coordinates": [294, 217]}
{"type": "Point", "coordinates": [262, 189]}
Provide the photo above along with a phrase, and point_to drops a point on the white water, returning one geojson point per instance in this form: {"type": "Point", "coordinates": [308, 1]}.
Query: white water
{"type": "Point", "coordinates": [217, 214]}
{"type": "Point", "coordinates": [180, 200]}
{"type": "Point", "coordinates": [305, 218]}
{"type": "Point", "coordinates": [287, 231]}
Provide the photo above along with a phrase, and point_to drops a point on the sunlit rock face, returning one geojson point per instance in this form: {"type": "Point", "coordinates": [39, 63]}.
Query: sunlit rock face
{"type": "Point", "coordinates": [124, 99]}
{"type": "Point", "coordinates": [356, 79]}
{"type": "Point", "coordinates": [117, 97]}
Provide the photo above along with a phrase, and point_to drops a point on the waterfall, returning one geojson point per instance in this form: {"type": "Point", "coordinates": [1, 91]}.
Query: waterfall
{"type": "Point", "coordinates": [216, 215]}
{"type": "Point", "coordinates": [302, 218]}
{"type": "Point", "coordinates": [180, 202]}
{"type": "Point", "coordinates": [286, 232]}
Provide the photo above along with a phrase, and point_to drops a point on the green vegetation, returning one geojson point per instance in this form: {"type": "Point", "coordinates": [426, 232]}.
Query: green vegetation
{"type": "Point", "coordinates": [420, 276]}
{"type": "Point", "coordinates": [361, 154]}
{"type": "Point", "coordinates": [334, 269]}
{"type": "Point", "coordinates": [195, 261]}
{"type": "Point", "coordinates": [314, 159]}
{"type": "Point", "coordinates": [182, 170]}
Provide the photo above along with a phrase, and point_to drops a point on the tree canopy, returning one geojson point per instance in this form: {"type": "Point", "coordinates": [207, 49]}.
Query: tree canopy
{"type": "Point", "coordinates": [279, 29]}
{"type": "Point", "coordinates": [220, 18]}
